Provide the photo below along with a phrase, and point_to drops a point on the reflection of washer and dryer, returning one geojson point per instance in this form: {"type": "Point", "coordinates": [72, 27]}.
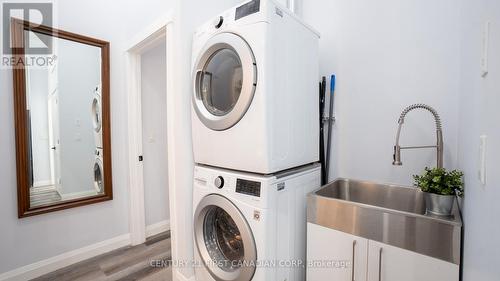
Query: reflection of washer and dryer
{"type": "Point", "coordinates": [255, 103]}
{"type": "Point", "coordinates": [97, 126]}
{"type": "Point", "coordinates": [251, 227]}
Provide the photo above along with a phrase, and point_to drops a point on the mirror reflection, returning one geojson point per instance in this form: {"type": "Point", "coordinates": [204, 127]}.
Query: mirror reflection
{"type": "Point", "coordinates": [65, 131]}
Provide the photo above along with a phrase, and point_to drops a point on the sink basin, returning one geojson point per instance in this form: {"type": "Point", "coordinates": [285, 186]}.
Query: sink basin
{"type": "Point", "coordinates": [381, 195]}
{"type": "Point", "coordinates": [387, 213]}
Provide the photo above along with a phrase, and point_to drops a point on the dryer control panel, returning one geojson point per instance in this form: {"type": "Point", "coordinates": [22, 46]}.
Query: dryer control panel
{"type": "Point", "coordinates": [246, 9]}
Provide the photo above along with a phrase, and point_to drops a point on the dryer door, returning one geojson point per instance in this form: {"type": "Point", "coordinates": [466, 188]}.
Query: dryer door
{"type": "Point", "coordinates": [96, 114]}
{"type": "Point", "coordinates": [225, 79]}
{"type": "Point", "coordinates": [224, 240]}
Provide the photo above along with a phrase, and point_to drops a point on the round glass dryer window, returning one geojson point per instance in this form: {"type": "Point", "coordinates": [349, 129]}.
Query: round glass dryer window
{"type": "Point", "coordinates": [96, 114]}
{"type": "Point", "coordinates": [221, 82]}
{"type": "Point", "coordinates": [223, 240]}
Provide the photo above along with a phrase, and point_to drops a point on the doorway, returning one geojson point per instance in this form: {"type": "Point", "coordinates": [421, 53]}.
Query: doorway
{"type": "Point", "coordinates": [154, 137]}
{"type": "Point", "coordinates": [147, 106]}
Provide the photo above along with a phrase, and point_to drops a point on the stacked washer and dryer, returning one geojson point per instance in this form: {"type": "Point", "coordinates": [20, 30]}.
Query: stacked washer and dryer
{"type": "Point", "coordinates": [255, 140]}
{"type": "Point", "coordinates": [97, 124]}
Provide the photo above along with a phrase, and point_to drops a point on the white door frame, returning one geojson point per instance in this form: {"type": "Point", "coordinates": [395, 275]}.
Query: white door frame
{"type": "Point", "coordinates": [161, 30]}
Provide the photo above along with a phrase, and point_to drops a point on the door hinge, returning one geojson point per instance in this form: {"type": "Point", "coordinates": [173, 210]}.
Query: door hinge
{"type": "Point", "coordinates": [141, 158]}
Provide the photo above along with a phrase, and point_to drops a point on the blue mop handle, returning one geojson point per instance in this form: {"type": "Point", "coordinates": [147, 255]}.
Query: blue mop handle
{"type": "Point", "coordinates": [330, 121]}
{"type": "Point", "coordinates": [332, 84]}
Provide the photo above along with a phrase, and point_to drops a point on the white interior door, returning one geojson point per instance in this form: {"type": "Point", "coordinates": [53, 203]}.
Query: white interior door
{"type": "Point", "coordinates": [153, 141]}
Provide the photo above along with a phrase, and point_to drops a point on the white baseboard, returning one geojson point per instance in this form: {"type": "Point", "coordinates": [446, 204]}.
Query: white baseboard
{"type": "Point", "coordinates": [40, 268]}
{"type": "Point", "coordinates": [79, 194]}
{"type": "Point", "coordinates": [44, 183]}
{"type": "Point", "coordinates": [177, 276]}
{"type": "Point", "coordinates": [157, 228]}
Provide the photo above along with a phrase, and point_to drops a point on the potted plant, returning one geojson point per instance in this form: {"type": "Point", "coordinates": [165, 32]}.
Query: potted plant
{"type": "Point", "coordinates": [440, 188]}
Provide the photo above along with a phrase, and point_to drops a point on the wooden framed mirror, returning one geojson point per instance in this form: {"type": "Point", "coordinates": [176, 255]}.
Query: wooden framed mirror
{"type": "Point", "coordinates": [62, 119]}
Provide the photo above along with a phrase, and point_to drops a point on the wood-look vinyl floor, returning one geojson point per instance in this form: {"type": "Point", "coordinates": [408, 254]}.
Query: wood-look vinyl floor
{"type": "Point", "coordinates": [127, 264]}
{"type": "Point", "coordinates": [40, 196]}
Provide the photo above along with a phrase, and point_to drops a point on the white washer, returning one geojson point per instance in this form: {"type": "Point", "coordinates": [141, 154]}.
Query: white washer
{"type": "Point", "coordinates": [251, 227]}
{"type": "Point", "coordinates": [255, 96]}
{"type": "Point", "coordinates": [98, 172]}
{"type": "Point", "coordinates": [97, 116]}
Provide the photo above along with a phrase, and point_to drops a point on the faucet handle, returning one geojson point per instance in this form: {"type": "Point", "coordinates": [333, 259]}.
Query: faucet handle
{"type": "Point", "coordinates": [397, 156]}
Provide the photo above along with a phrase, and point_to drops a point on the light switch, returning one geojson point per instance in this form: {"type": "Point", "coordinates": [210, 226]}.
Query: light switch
{"type": "Point", "coordinates": [484, 49]}
{"type": "Point", "coordinates": [482, 159]}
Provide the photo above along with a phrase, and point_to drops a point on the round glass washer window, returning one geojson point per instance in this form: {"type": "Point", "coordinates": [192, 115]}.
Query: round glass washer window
{"type": "Point", "coordinates": [221, 82]}
{"type": "Point", "coordinates": [98, 178]}
{"type": "Point", "coordinates": [223, 240]}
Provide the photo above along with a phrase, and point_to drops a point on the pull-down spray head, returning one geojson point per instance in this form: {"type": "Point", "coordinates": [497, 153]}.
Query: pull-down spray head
{"type": "Point", "coordinates": [439, 135]}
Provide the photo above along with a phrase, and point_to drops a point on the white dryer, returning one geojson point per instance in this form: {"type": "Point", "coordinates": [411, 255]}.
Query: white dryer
{"type": "Point", "coordinates": [255, 79]}
{"type": "Point", "coordinates": [97, 116]}
{"type": "Point", "coordinates": [251, 227]}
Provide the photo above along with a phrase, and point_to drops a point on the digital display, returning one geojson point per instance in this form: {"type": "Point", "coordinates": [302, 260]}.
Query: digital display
{"type": "Point", "coordinates": [248, 187]}
{"type": "Point", "coordinates": [249, 8]}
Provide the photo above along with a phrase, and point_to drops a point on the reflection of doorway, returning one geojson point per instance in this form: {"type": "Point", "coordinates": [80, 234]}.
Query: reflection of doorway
{"type": "Point", "coordinates": [44, 149]}
{"type": "Point", "coordinates": [54, 139]}
{"type": "Point", "coordinates": [149, 196]}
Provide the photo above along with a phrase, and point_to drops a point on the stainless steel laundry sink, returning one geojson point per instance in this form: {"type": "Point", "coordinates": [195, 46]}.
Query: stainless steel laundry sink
{"type": "Point", "coordinates": [391, 214]}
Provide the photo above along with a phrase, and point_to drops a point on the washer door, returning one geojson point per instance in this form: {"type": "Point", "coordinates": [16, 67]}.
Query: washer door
{"type": "Point", "coordinates": [224, 240]}
{"type": "Point", "coordinates": [98, 176]}
{"type": "Point", "coordinates": [225, 79]}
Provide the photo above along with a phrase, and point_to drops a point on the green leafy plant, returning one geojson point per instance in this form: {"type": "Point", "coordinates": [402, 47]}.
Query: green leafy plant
{"type": "Point", "coordinates": [440, 181]}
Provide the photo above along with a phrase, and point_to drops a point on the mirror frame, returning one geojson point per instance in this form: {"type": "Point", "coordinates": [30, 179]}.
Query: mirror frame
{"type": "Point", "coordinates": [18, 27]}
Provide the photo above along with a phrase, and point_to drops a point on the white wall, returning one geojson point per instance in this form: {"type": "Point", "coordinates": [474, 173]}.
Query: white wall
{"type": "Point", "coordinates": [388, 54]}
{"type": "Point", "coordinates": [32, 239]}
{"type": "Point", "coordinates": [480, 114]}
{"type": "Point", "coordinates": [154, 134]}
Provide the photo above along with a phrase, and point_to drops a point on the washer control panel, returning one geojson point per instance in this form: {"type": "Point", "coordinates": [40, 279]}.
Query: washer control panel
{"type": "Point", "coordinates": [248, 187]}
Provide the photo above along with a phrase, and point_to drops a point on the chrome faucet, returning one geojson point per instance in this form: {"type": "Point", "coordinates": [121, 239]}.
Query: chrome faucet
{"type": "Point", "coordinates": [439, 135]}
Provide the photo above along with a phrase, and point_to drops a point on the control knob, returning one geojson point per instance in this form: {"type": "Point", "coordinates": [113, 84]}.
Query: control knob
{"type": "Point", "coordinates": [219, 182]}
{"type": "Point", "coordinates": [218, 22]}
